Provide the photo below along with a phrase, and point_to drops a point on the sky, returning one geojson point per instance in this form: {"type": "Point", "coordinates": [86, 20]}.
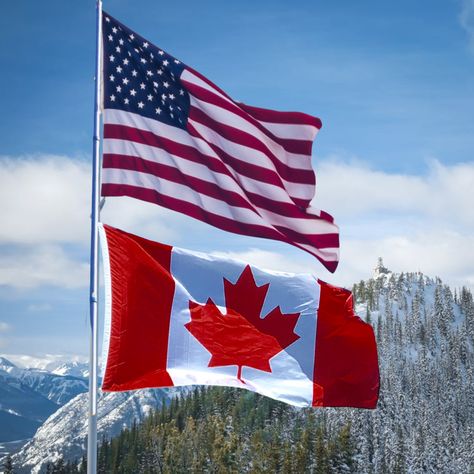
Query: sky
{"type": "Point", "coordinates": [393, 83]}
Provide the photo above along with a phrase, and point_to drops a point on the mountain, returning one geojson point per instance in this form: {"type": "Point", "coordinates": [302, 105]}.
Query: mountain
{"type": "Point", "coordinates": [64, 433]}
{"type": "Point", "coordinates": [29, 396]}
{"type": "Point", "coordinates": [424, 421]}
{"type": "Point", "coordinates": [22, 409]}
{"type": "Point", "coordinates": [54, 363]}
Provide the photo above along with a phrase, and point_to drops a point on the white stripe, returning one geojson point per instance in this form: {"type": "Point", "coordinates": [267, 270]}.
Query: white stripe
{"type": "Point", "coordinates": [328, 255]}
{"type": "Point", "coordinates": [291, 130]}
{"type": "Point", "coordinates": [294, 160]}
{"type": "Point", "coordinates": [188, 76]}
{"type": "Point", "coordinates": [302, 226]}
{"type": "Point", "coordinates": [108, 298]}
{"type": "Point", "coordinates": [182, 192]}
{"type": "Point", "coordinates": [186, 193]}
{"type": "Point", "coordinates": [201, 171]}
{"type": "Point", "coordinates": [286, 131]}
{"type": "Point", "coordinates": [251, 156]}
{"type": "Point", "coordinates": [119, 117]}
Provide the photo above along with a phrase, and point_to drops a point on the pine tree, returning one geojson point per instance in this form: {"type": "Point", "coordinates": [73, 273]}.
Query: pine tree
{"type": "Point", "coordinates": [8, 465]}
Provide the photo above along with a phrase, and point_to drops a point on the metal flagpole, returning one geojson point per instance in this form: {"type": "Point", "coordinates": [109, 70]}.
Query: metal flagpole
{"type": "Point", "coordinates": [94, 261]}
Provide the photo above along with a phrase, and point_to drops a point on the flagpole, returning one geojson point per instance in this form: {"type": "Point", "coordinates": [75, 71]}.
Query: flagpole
{"type": "Point", "coordinates": [94, 256]}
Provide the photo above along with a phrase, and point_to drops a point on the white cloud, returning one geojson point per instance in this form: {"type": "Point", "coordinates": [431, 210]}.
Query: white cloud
{"type": "Point", "coordinates": [415, 222]}
{"type": "Point", "coordinates": [444, 193]}
{"type": "Point", "coordinates": [34, 266]}
{"type": "Point", "coordinates": [44, 199]}
{"type": "Point", "coordinates": [4, 327]}
{"type": "Point", "coordinates": [466, 18]}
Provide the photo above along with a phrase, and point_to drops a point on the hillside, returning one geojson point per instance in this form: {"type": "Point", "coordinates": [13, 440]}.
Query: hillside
{"type": "Point", "coordinates": [424, 421]}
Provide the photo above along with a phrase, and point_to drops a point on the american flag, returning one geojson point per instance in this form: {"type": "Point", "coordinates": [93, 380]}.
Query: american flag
{"type": "Point", "coordinates": [173, 138]}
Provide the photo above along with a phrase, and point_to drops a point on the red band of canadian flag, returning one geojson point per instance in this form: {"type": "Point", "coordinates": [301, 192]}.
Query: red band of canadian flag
{"type": "Point", "coordinates": [177, 317]}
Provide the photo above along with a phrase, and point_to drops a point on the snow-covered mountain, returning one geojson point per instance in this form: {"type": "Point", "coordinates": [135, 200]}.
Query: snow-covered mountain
{"type": "Point", "coordinates": [58, 364]}
{"type": "Point", "coordinates": [64, 434]}
{"type": "Point", "coordinates": [29, 396]}
{"type": "Point", "coordinates": [425, 418]}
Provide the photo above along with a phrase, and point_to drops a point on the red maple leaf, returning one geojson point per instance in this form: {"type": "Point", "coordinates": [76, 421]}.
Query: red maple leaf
{"type": "Point", "coordinates": [241, 337]}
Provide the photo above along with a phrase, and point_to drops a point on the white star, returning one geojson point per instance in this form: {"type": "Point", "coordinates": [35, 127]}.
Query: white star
{"type": "Point", "coordinates": [150, 97]}
{"type": "Point", "coordinates": [143, 60]}
{"type": "Point", "coordinates": [158, 111]}
{"type": "Point", "coordinates": [114, 29]}
{"type": "Point", "coordinates": [141, 105]}
{"type": "Point", "coordinates": [165, 62]}
{"type": "Point", "coordinates": [163, 96]}
{"type": "Point", "coordinates": [111, 38]}
{"type": "Point", "coordinates": [126, 61]}
{"type": "Point", "coordinates": [171, 108]}
{"type": "Point", "coordinates": [160, 52]}
{"type": "Point", "coordinates": [133, 92]}
{"type": "Point", "coordinates": [118, 69]}
{"type": "Point", "coordinates": [159, 72]}
{"type": "Point", "coordinates": [112, 58]}
{"type": "Point", "coordinates": [149, 73]}
{"type": "Point", "coordinates": [171, 115]}
{"type": "Point", "coordinates": [155, 84]}
{"type": "Point", "coordinates": [151, 56]}
{"type": "Point", "coordinates": [119, 89]}
{"type": "Point", "coordinates": [177, 62]}
{"type": "Point", "coordinates": [125, 81]}
{"type": "Point", "coordinates": [112, 98]}
{"type": "Point", "coordinates": [134, 73]}
{"type": "Point", "coordinates": [126, 101]}
{"type": "Point", "coordinates": [171, 96]}
{"type": "Point", "coordinates": [166, 84]}
{"type": "Point", "coordinates": [181, 92]}
{"type": "Point", "coordinates": [118, 49]}
{"type": "Point", "coordinates": [107, 19]}
{"type": "Point", "coordinates": [112, 77]}
{"type": "Point", "coordinates": [142, 86]}
{"type": "Point", "coordinates": [132, 36]}
{"type": "Point", "coordinates": [145, 44]}
{"type": "Point", "coordinates": [121, 41]}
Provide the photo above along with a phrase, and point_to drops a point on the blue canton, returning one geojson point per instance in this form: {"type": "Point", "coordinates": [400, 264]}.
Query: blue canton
{"type": "Point", "coordinates": [141, 78]}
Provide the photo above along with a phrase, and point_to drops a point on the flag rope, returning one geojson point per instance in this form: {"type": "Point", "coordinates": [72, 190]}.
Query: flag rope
{"type": "Point", "coordinates": [94, 256]}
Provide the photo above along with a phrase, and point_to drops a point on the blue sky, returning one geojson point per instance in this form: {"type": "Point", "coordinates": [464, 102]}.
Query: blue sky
{"type": "Point", "coordinates": [393, 83]}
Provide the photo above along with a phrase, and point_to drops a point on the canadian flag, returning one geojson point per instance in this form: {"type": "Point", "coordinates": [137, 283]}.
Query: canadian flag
{"type": "Point", "coordinates": [176, 317]}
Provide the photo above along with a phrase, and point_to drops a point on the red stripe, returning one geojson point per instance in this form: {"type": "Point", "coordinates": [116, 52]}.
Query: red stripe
{"type": "Point", "coordinates": [346, 371]}
{"type": "Point", "coordinates": [275, 116]}
{"type": "Point", "coordinates": [320, 241]}
{"type": "Point", "coordinates": [302, 147]}
{"type": "Point", "coordinates": [243, 138]}
{"type": "Point", "coordinates": [200, 186]}
{"type": "Point", "coordinates": [141, 312]}
{"type": "Point", "coordinates": [192, 210]}
{"type": "Point", "coordinates": [175, 175]}
{"type": "Point", "coordinates": [266, 115]}
{"type": "Point", "coordinates": [186, 152]}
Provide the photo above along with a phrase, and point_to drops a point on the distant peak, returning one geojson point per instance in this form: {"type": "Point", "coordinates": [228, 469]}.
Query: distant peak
{"type": "Point", "coordinates": [6, 363]}
{"type": "Point", "coordinates": [380, 268]}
